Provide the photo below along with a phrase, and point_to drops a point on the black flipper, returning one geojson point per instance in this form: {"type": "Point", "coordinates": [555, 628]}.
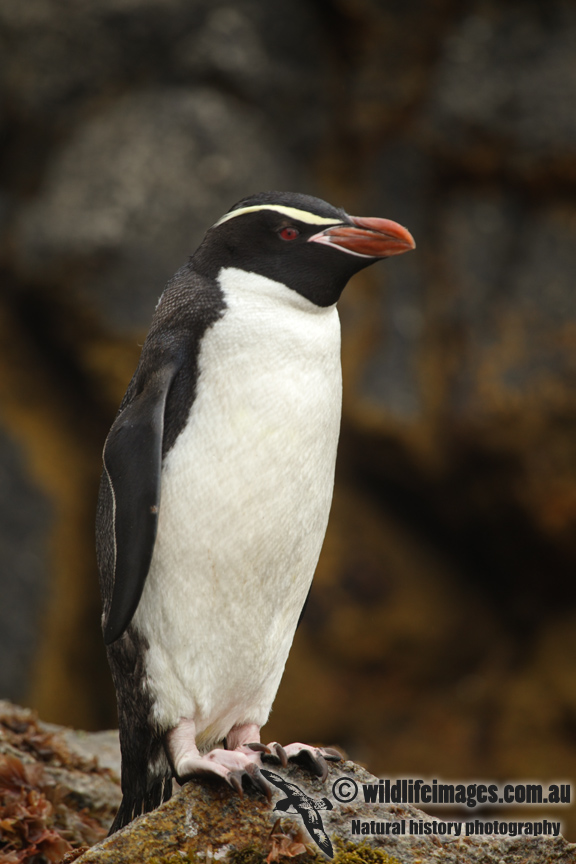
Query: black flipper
{"type": "Point", "coordinates": [304, 607]}
{"type": "Point", "coordinates": [132, 470]}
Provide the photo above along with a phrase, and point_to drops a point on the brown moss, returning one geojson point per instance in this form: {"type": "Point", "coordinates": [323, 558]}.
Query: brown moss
{"type": "Point", "coordinates": [362, 853]}
{"type": "Point", "coordinates": [249, 855]}
{"type": "Point", "coordinates": [348, 853]}
{"type": "Point", "coordinates": [178, 858]}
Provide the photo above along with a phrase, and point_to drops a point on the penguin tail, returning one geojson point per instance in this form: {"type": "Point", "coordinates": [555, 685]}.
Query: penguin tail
{"type": "Point", "coordinates": [135, 804]}
{"type": "Point", "coordinates": [146, 775]}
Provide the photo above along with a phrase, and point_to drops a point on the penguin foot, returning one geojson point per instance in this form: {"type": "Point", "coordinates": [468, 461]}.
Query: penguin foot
{"type": "Point", "coordinates": [314, 758]}
{"type": "Point", "coordinates": [231, 765]}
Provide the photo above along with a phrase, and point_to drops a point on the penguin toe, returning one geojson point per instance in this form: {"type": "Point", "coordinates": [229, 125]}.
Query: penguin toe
{"type": "Point", "coordinates": [256, 746]}
{"type": "Point", "coordinates": [331, 754]}
{"type": "Point", "coordinates": [255, 775]}
{"type": "Point", "coordinates": [234, 779]}
{"type": "Point", "coordinates": [314, 758]}
{"type": "Point", "coordinates": [231, 765]}
{"type": "Point", "coordinates": [277, 754]}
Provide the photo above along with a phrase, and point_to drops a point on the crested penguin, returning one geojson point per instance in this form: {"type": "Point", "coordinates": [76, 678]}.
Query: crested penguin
{"type": "Point", "coordinates": [217, 481]}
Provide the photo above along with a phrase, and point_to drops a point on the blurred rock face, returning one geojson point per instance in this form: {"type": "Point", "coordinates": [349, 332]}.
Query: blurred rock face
{"type": "Point", "coordinates": [132, 192]}
{"type": "Point", "coordinates": [442, 618]}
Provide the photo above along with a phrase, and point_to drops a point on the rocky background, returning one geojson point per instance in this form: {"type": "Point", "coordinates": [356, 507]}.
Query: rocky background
{"type": "Point", "coordinates": [440, 637]}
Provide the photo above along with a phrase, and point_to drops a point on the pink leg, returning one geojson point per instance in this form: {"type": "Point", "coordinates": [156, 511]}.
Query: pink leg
{"type": "Point", "coordinates": [231, 765]}
{"type": "Point", "coordinates": [239, 736]}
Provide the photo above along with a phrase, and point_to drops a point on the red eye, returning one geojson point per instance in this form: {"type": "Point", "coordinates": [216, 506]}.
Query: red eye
{"type": "Point", "coordinates": [289, 233]}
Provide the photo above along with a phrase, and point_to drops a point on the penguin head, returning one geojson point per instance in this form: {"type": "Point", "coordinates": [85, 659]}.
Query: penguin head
{"type": "Point", "coordinates": [301, 241]}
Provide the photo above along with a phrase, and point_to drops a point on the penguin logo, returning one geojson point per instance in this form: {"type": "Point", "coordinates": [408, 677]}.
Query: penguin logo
{"type": "Point", "coordinates": [305, 807]}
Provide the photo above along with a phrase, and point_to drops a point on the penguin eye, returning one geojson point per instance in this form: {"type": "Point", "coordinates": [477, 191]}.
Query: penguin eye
{"type": "Point", "coordinates": [289, 233]}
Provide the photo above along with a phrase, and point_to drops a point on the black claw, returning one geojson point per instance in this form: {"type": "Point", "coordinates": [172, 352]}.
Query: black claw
{"type": "Point", "coordinates": [322, 767]}
{"type": "Point", "coordinates": [276, 753]}
{"type": "Point", "coordinates": [315, 761]}
{"type": "Point", "coordinates": [258, 747]}
{"type": "Point", "coordinates": [281, 753]}
{"type": "Point", "coordinates": [331, 754]}
{"type": "Point", "coordinates": [258, 780]}
{"type": "Point", "coordinates": [235, 781]}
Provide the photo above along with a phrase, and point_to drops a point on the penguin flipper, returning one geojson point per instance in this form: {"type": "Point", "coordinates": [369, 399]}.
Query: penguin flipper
{"type": "Point", "coordinates": [131, 479]}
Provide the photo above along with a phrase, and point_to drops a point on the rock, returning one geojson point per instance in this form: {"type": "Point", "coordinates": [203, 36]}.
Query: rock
{"type": "Point", "coordinates": [386, 328]}
{"type": "Point", "coordinates": [25, 522]}
{"type": "Point", "coordinates": [48, 431]}
{"type": "Point", "coordinates": [131, 195]}
{"type": "Point", "coordinates": [208, 821]}
{"type": "Point", "coordinates": [268, 55]}
{"type": "Point", "coordinates": [59, 56]}
{"type": "Point", "coordinates": [103, 746]}
{"type": "Point", "coordinates": [57, 797]}
{"type": "Point", "coordinates": [518, 62]}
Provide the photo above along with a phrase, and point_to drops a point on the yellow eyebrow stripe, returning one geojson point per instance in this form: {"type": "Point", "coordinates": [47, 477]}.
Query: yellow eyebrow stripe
{"type": "Point", "coordinates": [292, 212]}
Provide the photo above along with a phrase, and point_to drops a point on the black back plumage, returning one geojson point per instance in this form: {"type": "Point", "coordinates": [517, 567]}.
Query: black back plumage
{"type": "Point", "coordinates": [151, 416]}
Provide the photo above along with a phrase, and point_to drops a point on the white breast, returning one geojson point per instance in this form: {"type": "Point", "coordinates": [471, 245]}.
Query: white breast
{"type": "Point", "coordinates": [246, 492]}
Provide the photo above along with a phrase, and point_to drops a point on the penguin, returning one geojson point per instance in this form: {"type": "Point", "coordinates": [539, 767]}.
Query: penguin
{"type": "Point", "coordinates": [217, 481]}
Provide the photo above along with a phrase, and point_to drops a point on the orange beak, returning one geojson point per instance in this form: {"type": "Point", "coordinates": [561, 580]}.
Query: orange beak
{"type": "Point", "coordinates": [368, 237]}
